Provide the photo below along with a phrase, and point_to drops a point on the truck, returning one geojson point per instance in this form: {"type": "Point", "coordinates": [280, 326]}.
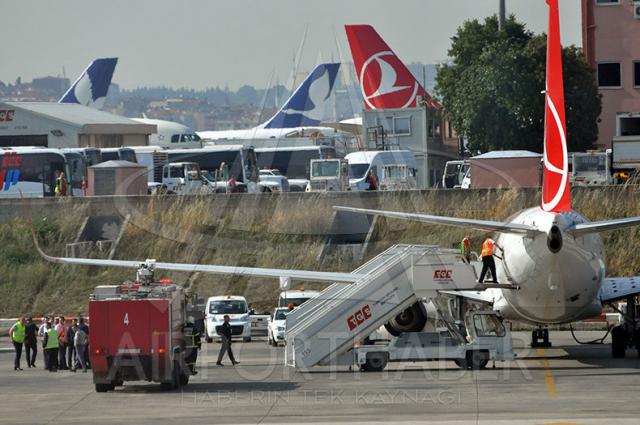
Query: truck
{"type": "Point", "coordinates": [625, 157]}
{"type": "Point", "coordinates": [480, 339]}
{"type": "Point", "coordinates": [329, 175]}
{"type": "Point", "coordinates": [591, 168]}
{"type": "Point", "coordinates": [184, 178]}
{"type": "Point", "coordinates": [396, 170]}
{"type": "Point", "coordinates": [140, 331]}
{"type": "Point", "coordinates": [455, 173]}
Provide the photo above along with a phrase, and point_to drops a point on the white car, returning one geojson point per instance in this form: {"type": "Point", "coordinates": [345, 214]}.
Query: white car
{"type": "Point", "coordinates": [235, 307]}
{"type": "Point", "coordinates": [277, 326]}
{"type": "Point", "coordinates": [273, 181]}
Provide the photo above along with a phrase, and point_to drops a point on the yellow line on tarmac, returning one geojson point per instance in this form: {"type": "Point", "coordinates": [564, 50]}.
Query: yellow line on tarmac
{"type": "Point", "coordinates": [548, 376]}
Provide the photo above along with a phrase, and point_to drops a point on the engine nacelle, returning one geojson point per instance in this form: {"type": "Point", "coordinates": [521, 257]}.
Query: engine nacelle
{"type": "Point", "coordinates": [412, 319]}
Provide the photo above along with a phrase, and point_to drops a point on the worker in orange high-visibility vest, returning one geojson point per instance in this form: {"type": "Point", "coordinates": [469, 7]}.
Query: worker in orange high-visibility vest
{"type": "Point", "coordinates": [488, 263]}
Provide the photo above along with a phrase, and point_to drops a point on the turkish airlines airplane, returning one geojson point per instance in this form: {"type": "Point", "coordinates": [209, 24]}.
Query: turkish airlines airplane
{"type": "Point", "coordinates": [551, 252]}
{"type": "Point", "coordinates": [90, 89]}
{"type": "Point", "coordinates": [385, 81]}
{"type": "Point", "coordinates": [300, 115]}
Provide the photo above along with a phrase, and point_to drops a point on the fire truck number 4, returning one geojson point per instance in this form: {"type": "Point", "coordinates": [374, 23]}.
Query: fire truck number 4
{"type": "Point", "coordinates": [126, 319]}
{"type": "Point", "coordinates": [359, 317]}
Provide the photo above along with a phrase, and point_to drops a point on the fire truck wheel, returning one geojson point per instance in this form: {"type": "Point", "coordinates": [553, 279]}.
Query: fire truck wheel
{"type": "Point", "coordinates": [184, 379]}
{"type": "Point", "coordinates": [103, 388]}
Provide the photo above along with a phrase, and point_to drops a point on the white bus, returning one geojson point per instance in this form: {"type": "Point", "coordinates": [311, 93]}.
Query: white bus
{"type": "Point", "coordinates": [225, 162]}
{"type": "Point", "coordinates": [32, 172]}
{"type": "Point", "coordinates": [395, 170]}
{"type": "Point", "coordinates": [293, 162]}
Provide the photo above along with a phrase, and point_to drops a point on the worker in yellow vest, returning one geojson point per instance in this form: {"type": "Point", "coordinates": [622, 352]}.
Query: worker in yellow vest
{"type": "Point", "coordinates": [50, 345]}
{"type": "Point", "coordinates": [488, 263]}
{"type": "Point", "coordinates": [17, 333]}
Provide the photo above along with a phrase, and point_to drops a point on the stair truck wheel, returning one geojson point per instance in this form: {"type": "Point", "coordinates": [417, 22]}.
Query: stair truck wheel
{"type": "Point", "coordinates": [413, 319]}
{"type": "Point", "coordinates": [376, 362]}
{"type": "Point", "coordinates": [477, 359]}
{"type": "Point", "coordinates": [103, 388]}
{"type": "Point", "coordinates": [618, 342]}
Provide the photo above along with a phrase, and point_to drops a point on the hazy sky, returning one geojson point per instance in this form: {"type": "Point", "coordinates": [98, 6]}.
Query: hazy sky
{"type": "Point", "coordinates": [203, 43]}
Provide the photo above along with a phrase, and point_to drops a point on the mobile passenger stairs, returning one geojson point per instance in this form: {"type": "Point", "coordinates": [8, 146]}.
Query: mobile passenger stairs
{"type": "Point", "coordinates": [333, 328]}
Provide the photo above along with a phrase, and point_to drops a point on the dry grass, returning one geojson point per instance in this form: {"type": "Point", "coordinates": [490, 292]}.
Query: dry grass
{"type": "Point", "coordinates": [281, 231]}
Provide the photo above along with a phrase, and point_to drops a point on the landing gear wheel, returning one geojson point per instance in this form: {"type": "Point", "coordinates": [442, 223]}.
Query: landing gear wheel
{"type": "Point", "coordinates": [103, 388]}
{"type": "Point", "coordinates": [618, 342]}
{"type": "Point", "coordinates": [413, 319]}
{"type": "Point", "coordinates": [376, 362]}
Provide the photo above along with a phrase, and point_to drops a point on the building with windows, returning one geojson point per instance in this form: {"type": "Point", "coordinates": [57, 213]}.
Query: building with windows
{"type": "Point", "coordinates": [419, 130]}
{"type": "Point", "coordinates": [67, 125]}
{"type": "Point", "coordinates": [611, 42]}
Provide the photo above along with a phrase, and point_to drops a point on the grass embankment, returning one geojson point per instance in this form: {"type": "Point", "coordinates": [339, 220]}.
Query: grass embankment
{"type": "Point", "coordinates": [267, 231]}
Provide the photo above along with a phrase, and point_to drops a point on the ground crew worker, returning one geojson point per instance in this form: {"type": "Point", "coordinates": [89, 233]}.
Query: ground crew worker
{"type": "Point", "coordinates": [488, 263]}
{"type": "Point", "coordinates": [61, 330]}
{"type": "Point", "coordinates": [31, 342]}
{"type": "Point", "coordinates": [225, 338]}
{"type": "Point", "coordinates": [61, 185]}
{"type": "Point", "coordinates": [80, 341]}
{"type": "Point", "coordinates": [465, 247]}
{"type": "Point", "coordinates": [50, 345]}
{"type": "Point", "coordinates": [233, 185]}
{"type": "Point", "coordinates": [372, 179]}
{"type": "Point", "coordinates": [17, 334]}
{"type": "Point", "coordinates": [84, 185]}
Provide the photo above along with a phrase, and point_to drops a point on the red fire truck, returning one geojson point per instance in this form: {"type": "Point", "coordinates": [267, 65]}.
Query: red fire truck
{"type": "Point", "coordinates": [141, 331]}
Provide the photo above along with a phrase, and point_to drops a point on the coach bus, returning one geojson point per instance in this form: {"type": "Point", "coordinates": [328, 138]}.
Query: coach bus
{"type": "Point", "coordinates": [32, 172]}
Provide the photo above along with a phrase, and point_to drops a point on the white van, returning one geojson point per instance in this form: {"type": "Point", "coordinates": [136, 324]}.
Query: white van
{"type": "Point", "coordinates": [396, 170]}
{"type": "Point", "coordinates": [233, 305]}
{"type": "Point", "coordinates": [292, 299]}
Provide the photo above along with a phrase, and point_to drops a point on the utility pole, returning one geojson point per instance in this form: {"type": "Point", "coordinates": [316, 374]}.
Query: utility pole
{"type": "Point", "coordinates": [502, 15]}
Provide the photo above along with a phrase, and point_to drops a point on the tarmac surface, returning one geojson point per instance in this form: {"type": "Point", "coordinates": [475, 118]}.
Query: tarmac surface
{"type": "Point", "coordinates": [566, 384]}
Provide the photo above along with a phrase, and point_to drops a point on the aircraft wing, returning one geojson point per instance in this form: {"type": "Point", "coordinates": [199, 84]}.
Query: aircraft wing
{"type": "Point", "coordinates": [497, 226]}
{"type": "Point", "coordinates": [601, 226]}
{"type": "Point", "coordinates": [617, 288]}
{"type": "Point", "coordinates": [203, 268]}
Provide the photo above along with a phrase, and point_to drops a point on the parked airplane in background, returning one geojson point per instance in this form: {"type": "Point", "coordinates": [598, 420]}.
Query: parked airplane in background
{"type": "Point", "coordinates": [300, 115]}
{"type": "Point", "coordinates": [385, 81]}
{"type": "Point", "coordinates": [552, 254]}
{"type": "Point", "coordinates": [90, 89]}
{"type": "Point", "coordinates": [171, 135]}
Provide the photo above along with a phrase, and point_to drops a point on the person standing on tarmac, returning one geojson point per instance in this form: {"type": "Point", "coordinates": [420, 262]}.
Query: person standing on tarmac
{"type": "Point", "coordinates": [62, 344]}
{"type": "Point", "coordinates": [225, 338]}
{"type": "Point", "coordinates": [465, 247]}
{"type": "Point", "coordinates": [17, 334]}
{"type": "Point", "coordinates": [372, 179]}
{"type": "Point", "coordinates": [50, 346]}
{"type": "Point", "coordinates": [31, 342]}
{"type": "Point", "coordinates": [488, 263]}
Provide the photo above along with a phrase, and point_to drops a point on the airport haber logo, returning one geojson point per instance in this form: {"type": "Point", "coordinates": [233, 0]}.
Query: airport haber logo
{"type": "Point", "coordinates": [359, 317]}
{"type": "Point", "coordinates": [10, 171]}
{"type": "Point", "coordinates": [7, 114]}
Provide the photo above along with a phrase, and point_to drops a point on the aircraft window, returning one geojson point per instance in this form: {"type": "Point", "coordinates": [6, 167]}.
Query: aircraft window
{"type": "Point", "coordinates": [175, 138]}
{"type": "Point", "coordinates": [488, 325]}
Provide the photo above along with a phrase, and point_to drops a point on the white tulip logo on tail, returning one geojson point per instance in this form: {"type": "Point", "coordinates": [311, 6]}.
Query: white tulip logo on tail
{"type": "Point", "coordinates": [556, 196]}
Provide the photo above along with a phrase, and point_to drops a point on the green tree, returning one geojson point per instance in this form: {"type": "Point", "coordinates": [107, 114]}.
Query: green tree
{"type": "Point", "coordinates": [492, 88]}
